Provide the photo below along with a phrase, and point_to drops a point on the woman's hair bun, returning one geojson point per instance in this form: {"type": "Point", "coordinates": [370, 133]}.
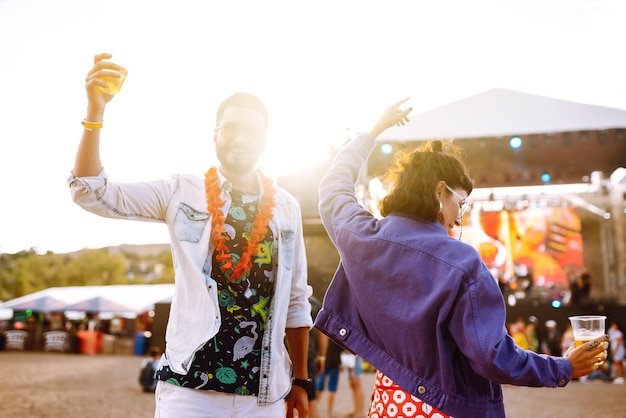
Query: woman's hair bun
{"type": "Point", "coordinates": [437, 145]}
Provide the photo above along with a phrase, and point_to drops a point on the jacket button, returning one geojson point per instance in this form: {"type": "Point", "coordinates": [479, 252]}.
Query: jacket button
{"type": "Point", "coordinates": [421, 390]}
{"type": "Point", "coordinates": [343, 332]}
{"type": "Point", "coordinates": [562, 382]}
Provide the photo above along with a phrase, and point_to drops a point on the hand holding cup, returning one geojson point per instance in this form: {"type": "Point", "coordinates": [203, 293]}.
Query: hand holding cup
{"type": "Point", "coordinates": [588, 351]}
{"type": "Point", "coordinates": [104, 80]}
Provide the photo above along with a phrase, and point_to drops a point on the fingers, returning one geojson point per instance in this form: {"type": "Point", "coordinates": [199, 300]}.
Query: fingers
{"type": "Point", "coordinates": [94, 81]}
{"type": "Point", "coordinates": [393, 115]}
{"type": "Point", "coordinates": [604, 338]}
{"type": "Point", "coordinates": [99, 78]}
{"type": "Point", "coordinates": [100, 63]}
{"type": "Point", "coordinates": [103, 69]}
{"type": "Point", "coordinates": [592, 345]}
{"type": "Point", "coordinates": [587, 357]}
{"type": "Point", "coordinates": [401, 102]}
{"type": "Point", "coordinates": [597, 346]}
{"type": "Point", "coordinates": [398, 116]}
{"type": "Point", "coordinates": [103, 56]}
{"type": "Point", "coordinates": [112, 69]}
{"type": "Point", "coordinates": [403, 116]}
{"type": "Point", "coordinates": [595, 353]}
{"type": "Point", "coordinates": [396, 108]}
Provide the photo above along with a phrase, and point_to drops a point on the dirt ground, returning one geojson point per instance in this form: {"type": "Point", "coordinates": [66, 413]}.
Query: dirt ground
{"type": "Point", "coordinates": [54, 385]}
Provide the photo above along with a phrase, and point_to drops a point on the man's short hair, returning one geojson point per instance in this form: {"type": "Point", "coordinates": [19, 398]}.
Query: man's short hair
{"type": "Point", "coordinates": [242, 99]}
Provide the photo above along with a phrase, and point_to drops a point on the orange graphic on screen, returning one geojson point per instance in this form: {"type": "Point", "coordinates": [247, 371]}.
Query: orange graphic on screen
{"type": "Point", "coordinates": [547, 241]}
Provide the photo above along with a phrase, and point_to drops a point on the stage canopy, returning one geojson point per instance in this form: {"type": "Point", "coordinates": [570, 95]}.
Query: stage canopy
{"type": "Point", "coordinates": [503, 112]}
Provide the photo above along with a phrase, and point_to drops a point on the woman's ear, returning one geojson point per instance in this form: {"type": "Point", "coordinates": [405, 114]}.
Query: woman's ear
{"type": "Point", "coordinates": [439, 189]}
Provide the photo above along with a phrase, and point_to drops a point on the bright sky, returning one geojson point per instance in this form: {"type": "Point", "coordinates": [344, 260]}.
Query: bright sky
{"type": "Point", "coordinates": [320, 66]}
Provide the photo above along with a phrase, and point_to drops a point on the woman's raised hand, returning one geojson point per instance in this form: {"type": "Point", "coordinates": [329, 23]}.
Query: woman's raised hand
{"type": "Point", "coordinates": [394, 115]}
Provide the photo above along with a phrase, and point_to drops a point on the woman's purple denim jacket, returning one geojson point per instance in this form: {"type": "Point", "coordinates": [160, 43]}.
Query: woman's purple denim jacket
{"type": "Point", "coordinates": [420, 306]}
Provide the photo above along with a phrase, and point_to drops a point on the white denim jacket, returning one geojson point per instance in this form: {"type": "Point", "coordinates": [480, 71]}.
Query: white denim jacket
{"type": "Point", "coordinates": [181, 203]}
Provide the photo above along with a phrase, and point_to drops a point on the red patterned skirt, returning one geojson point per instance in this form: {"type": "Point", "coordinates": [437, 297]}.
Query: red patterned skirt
{"type": "Point", "coordinates": [390, 400]}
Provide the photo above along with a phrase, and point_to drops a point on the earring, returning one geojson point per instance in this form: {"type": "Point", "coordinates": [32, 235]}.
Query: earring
{"type": "Point", "coordinates": [440, 207]}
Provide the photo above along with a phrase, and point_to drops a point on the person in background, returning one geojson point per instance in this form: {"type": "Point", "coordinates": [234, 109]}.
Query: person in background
{"type": "Point", "coordinates": [581, 288]}
{"type": "Point", "coordinates": [567, 338]}
{"type": "Point", "coordinates": [318, 344]}
{"type": "Point", "coordinates": [532, 334]}
{"type": "Point", "coordinates": [601, 373]}
{"type": "Point", "coordinates": [239, 261]}
{"type": "Point", "coordinates": [149, 366]}
{"type": "Point", "coordinates": [552, 343]}
{"type": "Point", "coordinates": [518, 332]}
{"type": "Point", "coordinates": [328, 381]}
{"type": "Point", "coordinates": [417, 304]}
{"type": "Point", "coordinates": [617, 351]}
{"type": "Point", "coordinates": [356, 388]}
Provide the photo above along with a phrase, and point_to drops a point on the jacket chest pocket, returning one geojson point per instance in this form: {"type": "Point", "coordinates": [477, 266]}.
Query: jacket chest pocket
{"type": "Point", "coordinates": [189, 223]}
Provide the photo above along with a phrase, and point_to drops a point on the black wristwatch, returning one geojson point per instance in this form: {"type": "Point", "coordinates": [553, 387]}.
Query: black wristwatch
{"type": "Point", "coordinates": [304, 383]}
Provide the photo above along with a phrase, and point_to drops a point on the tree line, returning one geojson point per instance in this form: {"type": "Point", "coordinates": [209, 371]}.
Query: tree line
{"type": "Point", "coordinates": [26, 272]}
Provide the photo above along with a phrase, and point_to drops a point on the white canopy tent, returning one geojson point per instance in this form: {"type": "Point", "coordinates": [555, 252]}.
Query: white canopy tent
{"type": "Point", "coordinates": [502, 112]}
{"type": "Point", "coordinates": [134, 298]}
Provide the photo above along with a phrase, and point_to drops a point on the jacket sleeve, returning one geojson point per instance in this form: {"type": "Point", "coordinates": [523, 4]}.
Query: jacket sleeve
{"type": "Point", "coordinates": [338, 202]}
{"type": "Point", "coordinates": [141, 201]}
{"type": "Point", "coordinates": [299, 310]}
{"type": "Point", "coordinates": [482, 337]}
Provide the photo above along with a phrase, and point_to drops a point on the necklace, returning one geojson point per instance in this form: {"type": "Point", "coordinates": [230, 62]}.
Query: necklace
{"type": "Point", "coordinates": [218, 233]}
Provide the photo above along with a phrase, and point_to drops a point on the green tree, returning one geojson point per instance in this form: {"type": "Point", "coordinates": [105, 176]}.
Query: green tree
{"type": "Point", "coordinates": [27, 271]}
{"type": "Point", "coordinates": [35, 272]}
{"type": "Point", "coordinates": [96, 268]}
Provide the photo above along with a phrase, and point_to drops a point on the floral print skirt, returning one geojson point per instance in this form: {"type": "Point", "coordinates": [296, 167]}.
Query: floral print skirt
{"type": "Point", "coordinates": [390, 400]}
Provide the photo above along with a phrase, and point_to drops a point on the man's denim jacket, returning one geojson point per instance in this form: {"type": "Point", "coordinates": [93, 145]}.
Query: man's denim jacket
{"type": "Point", "coordinates": [420, 306]}
{"type": "Point", "coordinates": [181, 204]}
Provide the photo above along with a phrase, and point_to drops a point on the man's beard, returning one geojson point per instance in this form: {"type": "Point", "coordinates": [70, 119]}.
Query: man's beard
{"type": "Point", "coordinates": [237, 162]}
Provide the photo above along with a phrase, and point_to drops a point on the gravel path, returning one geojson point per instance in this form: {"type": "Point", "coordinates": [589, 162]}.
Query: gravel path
{"type": "Point", "coordinates": [51, 385]}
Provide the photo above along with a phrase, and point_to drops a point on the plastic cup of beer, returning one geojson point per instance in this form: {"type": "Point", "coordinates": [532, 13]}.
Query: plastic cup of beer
{"type": "Point", "coordinates": [587, 328]}
{"type": "Point", "coordinates": [114, 81]}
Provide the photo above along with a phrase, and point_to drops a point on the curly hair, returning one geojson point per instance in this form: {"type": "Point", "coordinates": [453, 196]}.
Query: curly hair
{"type": "Point", "coordinates": [414, 175]}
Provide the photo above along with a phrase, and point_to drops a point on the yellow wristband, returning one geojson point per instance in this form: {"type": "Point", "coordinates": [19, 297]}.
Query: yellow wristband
{"type": "Point", "coordinates": [90, 126]}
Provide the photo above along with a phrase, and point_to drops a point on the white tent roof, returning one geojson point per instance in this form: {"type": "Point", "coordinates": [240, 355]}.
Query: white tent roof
{"type": "Point", "coordinates": [139, 298]}
{"type": "Point", "coordinates": [502, 112]}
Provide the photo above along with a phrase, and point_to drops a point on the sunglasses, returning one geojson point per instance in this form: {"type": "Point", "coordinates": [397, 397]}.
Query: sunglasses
{"type": "Point", "coordinates": [231, 130]}
{"type": "Point", "coordinates": [463, 203]}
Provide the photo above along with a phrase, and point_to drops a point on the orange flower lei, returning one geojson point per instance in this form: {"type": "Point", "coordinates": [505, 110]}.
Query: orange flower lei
{"type": "Point", "coordinates": [218, 232]}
